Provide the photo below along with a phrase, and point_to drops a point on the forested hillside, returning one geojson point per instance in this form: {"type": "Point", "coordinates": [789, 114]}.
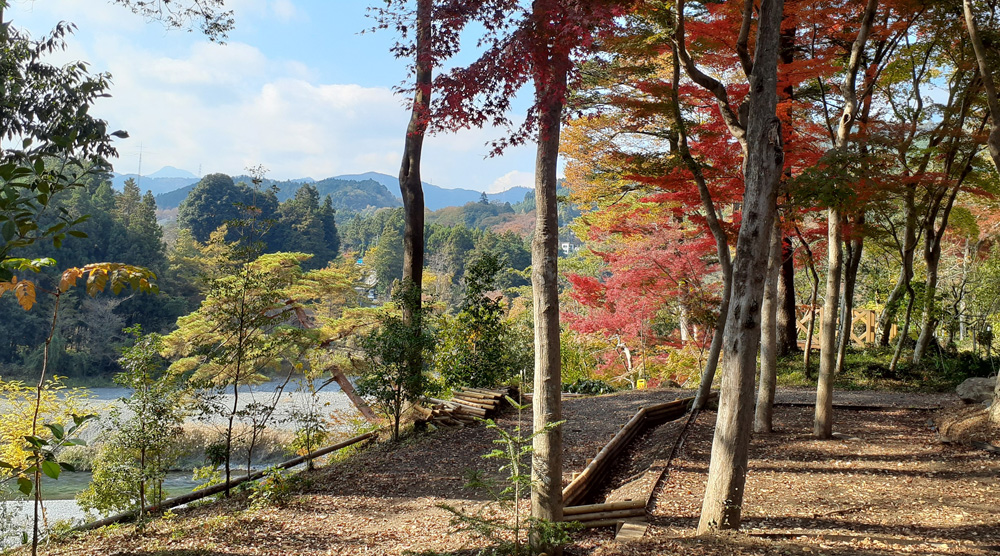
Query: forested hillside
{"type": "Point", "coordinates": [122, 227]}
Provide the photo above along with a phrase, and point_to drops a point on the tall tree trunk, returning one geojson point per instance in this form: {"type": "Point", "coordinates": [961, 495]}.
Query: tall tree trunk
{"type": "Point", "coordinates": [929, 318]}
{"type": "Point", "coordinates": [810, 329]}
{"type": "Point", "coordinates": [546, 461]}
{"type": "Point", "coordinates": [905, 332]}
{"type": "Point", "coordinates": [934, 234]}
{"type": "Point", "coordinates": [995, 406]}
{"type": "Point", "coordinates": [788, 326]}
{"type": "Point", "coordinates": [787, 322]}
{"type": "Point", "coordinates": [718, 233]}
{"type": "Point", "coordinates": [723, 503]}
{"type": "Point", "coordinates": [814, 291]}
{"type": "Point", "coordinates": [769, 337]}
{"type": "Point", "coordinates": [410, 186]}
{"type": "Point", "coordinates": [986, 72]}
{"type": "Point", "coordinates": [854, 250]}
{"type": "Point", "coordinates": [823, 427]}
{"type": "Point", "coordinates": [907, 249]}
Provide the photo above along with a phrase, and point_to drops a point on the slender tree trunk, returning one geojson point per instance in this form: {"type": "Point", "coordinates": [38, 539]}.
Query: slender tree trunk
{"type": "Point", "coordinates": [788, 327]}
{"type": "Point", "coordinates": [907, 250]}
{"type": "Point", "coordinates": [986, 72]}
{"type": "Point", "coordinates": [888, 315]}
{"type": "Point", "coordinates": [546, 461]}
{"type": "Point", "coordinates": [854, 250]}
{"type": "Point", "coordinates": [933, 236]}
{"type": "Point", "coordinates": [905, 332]}
{"type": "Point", "coordinates": [718, 233]}
{"type": "Point", "coordinates": [723, 503]}
{"type": "Point", "coordinates": [929, 318]}
{"type": "Point", "coordinates": [787, 322]}
{"type": "Point", "coordinates": [811, 265]}
{"type": "Point", "coordinates": [683, 324]}
{"type": "Point", "coordinates": [769, 337]}
{"type": "Point", "coordinates": [823, 426]}
{"type": "Point", "coordinates": [410, 186]}
{"type": "Point", "coordinates": [806, 357]}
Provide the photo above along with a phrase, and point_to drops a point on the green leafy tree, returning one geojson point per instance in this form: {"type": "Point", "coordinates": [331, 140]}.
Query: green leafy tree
{"type": "Point", "coordinates": [389, 381]}
{"type": "Point", "coordinates": [217, 200]}
{"type": "Point", "coordinates": [386, 261]}
{"type": "Point", "coordinates": [305, 225]}
{"type": "Point", "coordinates": [238, 333]}
{"type": "Point", "coordinates": [134, 459]}
{"type": "Point", "coordinates": [479, 347]}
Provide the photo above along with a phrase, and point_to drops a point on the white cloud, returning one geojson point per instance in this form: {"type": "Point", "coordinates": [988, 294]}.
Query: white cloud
{"type": "Point", "coordinates": [515, 178]}
{"type": "Point", "coordinates": [226, 107]}
{"type": "Point", "coordinates": [221, 108]}
{"type": "Point", "coordinates": [285, 10]}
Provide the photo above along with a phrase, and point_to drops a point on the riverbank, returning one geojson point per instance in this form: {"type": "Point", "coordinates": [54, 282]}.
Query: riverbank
{"type": "Point", "coordinates": [887, 486]}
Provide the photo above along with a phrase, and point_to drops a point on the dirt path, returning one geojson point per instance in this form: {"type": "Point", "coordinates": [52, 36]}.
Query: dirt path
{"type": "Point", "coordinates": [894, 482]}
{"type": "Point", "coordinates": [888, 486]}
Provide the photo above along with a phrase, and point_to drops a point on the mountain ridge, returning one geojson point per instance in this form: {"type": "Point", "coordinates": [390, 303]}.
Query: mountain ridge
{"type": "Point", "coordinates": [171, 190]}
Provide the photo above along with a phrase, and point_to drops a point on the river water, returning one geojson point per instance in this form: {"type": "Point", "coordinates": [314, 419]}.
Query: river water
{"type": "Point", "coordinates": [59, 494]}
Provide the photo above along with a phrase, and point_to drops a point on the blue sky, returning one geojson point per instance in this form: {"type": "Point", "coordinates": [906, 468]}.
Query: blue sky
{"type": "Point", "coordinates": [297, 89]}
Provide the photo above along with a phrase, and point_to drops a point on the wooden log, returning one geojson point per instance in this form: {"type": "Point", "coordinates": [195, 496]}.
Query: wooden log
{"type": "Point", "coordinates": [499, 393]}
{"type": "Point", "coordinates": [595, 516]}
{"type": "Point", "coordinates": [605, 507]}
{"type": "Point", "coordinates": [216, 489]}
{"type": "Point", "coordinates": [474, 394]}
{"type": "Point", "coordinates": [475, 411]}
{"type": "Point", "coordinates": [601, 523]}
{"type": "Point", "coordinates": [423, 411]}
{"type": "Point", "coordinates": [632, 529]}
{"type": "Point", "coordinates": [474, 403]}
{"type": "Point", "coordinates": [467, 408]}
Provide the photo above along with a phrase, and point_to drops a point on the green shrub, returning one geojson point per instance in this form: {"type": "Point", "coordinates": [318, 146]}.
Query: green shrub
{"type": "Point", "coordinates": [592, 386]}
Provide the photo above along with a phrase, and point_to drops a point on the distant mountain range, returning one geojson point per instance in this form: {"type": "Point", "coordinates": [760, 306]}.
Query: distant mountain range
{"type": "Point", "coordinates": [171, 185]}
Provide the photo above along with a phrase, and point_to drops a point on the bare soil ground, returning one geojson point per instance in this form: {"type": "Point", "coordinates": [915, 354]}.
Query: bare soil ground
{"type": "Point", "coordinates": [889, 485]}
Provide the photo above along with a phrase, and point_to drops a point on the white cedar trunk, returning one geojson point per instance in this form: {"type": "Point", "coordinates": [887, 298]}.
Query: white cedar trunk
{"type": "Point", "coordinates": [723, 501]}
{"type": "Point", "coordinates": [546, 460]}
{"type": "Point", "coordinates": [769, 337]}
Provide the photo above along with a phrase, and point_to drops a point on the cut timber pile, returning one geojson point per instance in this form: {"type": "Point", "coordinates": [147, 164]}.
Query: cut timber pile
{"type": "Point", "coordinates": [465, 406]}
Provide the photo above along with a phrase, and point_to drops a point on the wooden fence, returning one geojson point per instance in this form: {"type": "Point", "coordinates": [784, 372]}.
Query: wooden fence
{"type": "Point", "coordinates": [864, 328]}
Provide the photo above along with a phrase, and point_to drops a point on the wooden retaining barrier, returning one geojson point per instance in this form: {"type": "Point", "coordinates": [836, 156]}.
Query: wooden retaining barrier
{"type": "Point", "coordinates": [616, 513]}
{"type": "Point", "coordinates": [596, 471]}
{"type": "Point", "coordinates": [216, 489]}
